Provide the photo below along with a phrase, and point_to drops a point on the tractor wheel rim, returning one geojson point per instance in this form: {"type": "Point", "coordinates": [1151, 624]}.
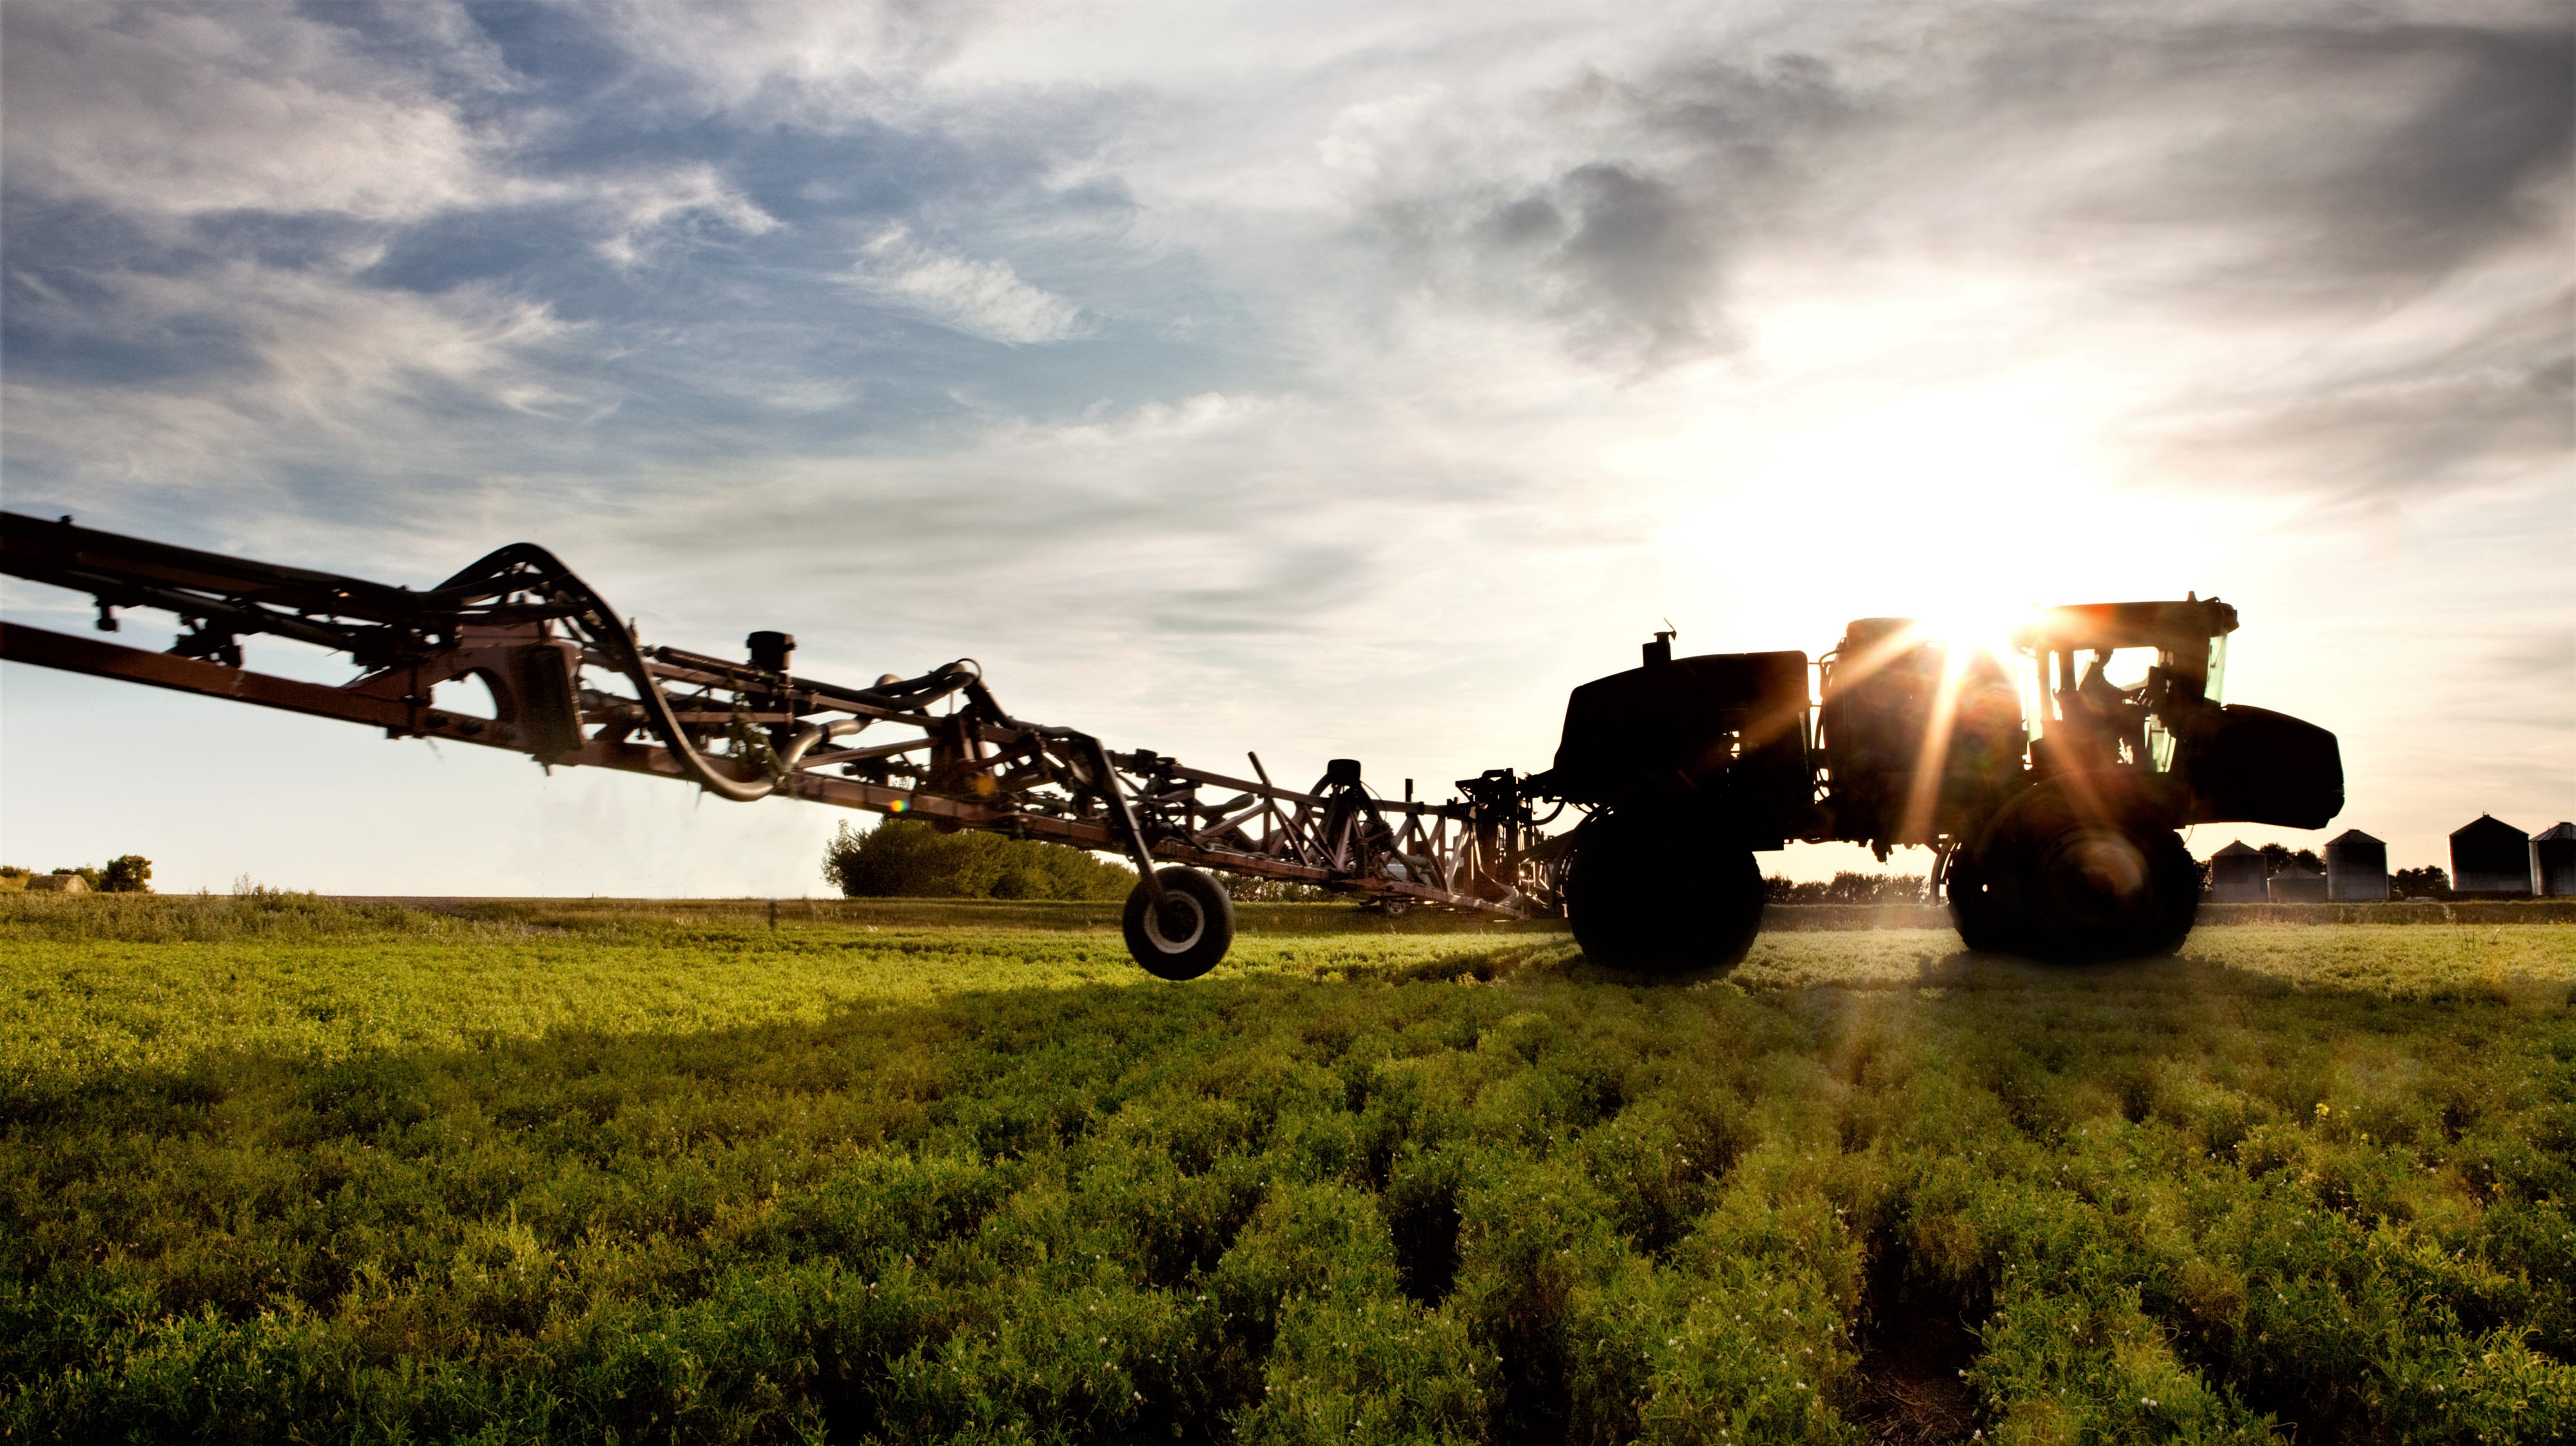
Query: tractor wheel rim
{"type": "Point", "coordinates": [1158, 924]}
{"type": "Point", "coordinates": [2099, 877]}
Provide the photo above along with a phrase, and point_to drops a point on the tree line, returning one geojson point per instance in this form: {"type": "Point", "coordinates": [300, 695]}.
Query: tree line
{"type": "Point", "coordinates": [123, 874]}
{"type": "Point", "coordinates": [906, 858]}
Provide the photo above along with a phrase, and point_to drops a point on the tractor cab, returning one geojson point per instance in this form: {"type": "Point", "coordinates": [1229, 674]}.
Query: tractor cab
{"type": "Point", "coordinates": [2130, 691]}
{"type": "Point", "coordinates": [2117, 685]}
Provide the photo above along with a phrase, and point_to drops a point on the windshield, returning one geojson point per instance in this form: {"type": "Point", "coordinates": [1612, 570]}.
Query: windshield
{"type": "Point", "coordinates": [2097, 701]}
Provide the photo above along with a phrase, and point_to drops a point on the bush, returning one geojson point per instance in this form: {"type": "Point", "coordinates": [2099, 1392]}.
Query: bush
{"type": "Point", "coordinates": [2277, 859]}
{"type": "Point", "coordinates": [1851, 888]}
{"type": "Point", "coordinates": [124, 874]}
{"type": "Point", "coordinates": [2424, 883]}
{"type": "Point", "coordinates": [904, 859]}
{"type": "Point", "coordinates": [1247, 890]}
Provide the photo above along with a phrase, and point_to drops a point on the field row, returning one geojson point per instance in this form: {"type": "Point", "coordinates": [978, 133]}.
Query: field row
{"type": "Point", "coordinates": [382, 1175]}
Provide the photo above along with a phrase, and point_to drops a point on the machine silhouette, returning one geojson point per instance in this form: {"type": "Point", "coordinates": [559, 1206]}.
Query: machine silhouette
{"type": "Point", "coordinates": [2049, 798]}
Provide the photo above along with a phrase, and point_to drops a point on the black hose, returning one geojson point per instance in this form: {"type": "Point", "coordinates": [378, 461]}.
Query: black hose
{"type": "Point", "coordinates": [590, 615]}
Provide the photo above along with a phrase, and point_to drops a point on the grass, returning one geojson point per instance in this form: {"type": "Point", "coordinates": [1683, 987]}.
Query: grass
{"type": "Point", "coordinates": [285, 1168]}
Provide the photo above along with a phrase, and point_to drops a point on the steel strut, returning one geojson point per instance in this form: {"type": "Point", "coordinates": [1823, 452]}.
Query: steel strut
{"type": "Point", "coordinates": [1130, 832]}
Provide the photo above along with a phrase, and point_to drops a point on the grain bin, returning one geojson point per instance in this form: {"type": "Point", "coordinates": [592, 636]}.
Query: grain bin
{"type": "Point", "coordinates": [2356, 868]}
{"type": "Point", "coordinates": [2553, 862]}
{"type": "Point", "coordinates": [2491, 857]}
{"type": "Point", "coordinates": [2295, 885]}
{"type": "Point", "coordinates": [2236, 876]}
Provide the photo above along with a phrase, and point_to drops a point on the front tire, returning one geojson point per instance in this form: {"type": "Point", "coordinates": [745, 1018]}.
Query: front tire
{"type": "Point", "coordinates": [1977, 910]}
{"type": "Point", "coordinates": [2075, 885]}
{"type": "Point", "coordinates": [1651, 897]}
{"type": "Point", "coordinates": [1189, 934]}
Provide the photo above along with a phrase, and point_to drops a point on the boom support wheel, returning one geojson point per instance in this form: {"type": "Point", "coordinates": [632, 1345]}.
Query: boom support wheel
{"type": "Point", "coordinates": [2076, 879]}
{"type": "Point", "coordinates": [1191, 931]}
{"type": "Point", "coordinates": [1653, 896]}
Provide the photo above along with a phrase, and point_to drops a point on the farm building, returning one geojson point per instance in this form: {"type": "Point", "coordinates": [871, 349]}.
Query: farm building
{"type": "Point", "coordinates": [2356, 868]}
{"type": "Point", "coordinates": [2236, 876]}
{"type": "Point", "coordinates": [2295, 885]}
{"type": "Point", "coordinates": [2553, 862]}
{"type": "Point", "coordinates": [58, 883]}
{"type": "Point", "coordinates": [2490, 857]}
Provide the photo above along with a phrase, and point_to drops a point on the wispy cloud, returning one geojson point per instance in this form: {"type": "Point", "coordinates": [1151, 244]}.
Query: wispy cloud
{"type": "Point", "coordinates": [1228, 380]}
{"type": "Point", "coordinates": [980, 298]}
{"type": "Point", "coordinates": [158, 111]}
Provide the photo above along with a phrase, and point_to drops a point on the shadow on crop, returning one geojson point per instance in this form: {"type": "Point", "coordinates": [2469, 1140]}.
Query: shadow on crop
{"type": "Point", "coordinates": [1919, 1337]}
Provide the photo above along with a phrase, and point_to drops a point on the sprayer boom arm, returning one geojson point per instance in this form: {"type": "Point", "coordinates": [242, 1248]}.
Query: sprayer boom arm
{"type": "Point", "coordinates": [571, 685]}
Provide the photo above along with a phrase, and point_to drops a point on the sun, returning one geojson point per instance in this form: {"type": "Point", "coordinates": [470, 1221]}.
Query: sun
{"type": "Point", "coordinates": [1963, 628]}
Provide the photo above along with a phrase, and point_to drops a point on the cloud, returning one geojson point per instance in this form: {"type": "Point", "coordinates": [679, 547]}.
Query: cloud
{"type": "Point", "coordinates": [2345, 157]}
{"type": "Point", "coordinates": [160, 111]}
{"type": "Point", "coordinates": [2206, 161]}
{"type": "Point", "coordinates": [1220, 378]}
{"type": "Point", "coordinates": [823, 62]}
{"type": "Point", "coordinates": [980, 298]}
{"type": "Point", "coordinates": [657, 208]}
{"type": "Point", "coordinates": [2495, 408]}
{"type": "Point", "coordinates": [588, 269]}
{"type": "Point", "coordinates": [315, 406]}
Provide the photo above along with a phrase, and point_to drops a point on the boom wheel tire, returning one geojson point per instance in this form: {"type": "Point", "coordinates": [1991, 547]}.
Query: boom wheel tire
{"type": "Point", "coordinates": [2077, 886]}
{"type": "Point", "coordinates": [1647, 897]}
{"type": "Point", "coordinates": [1189, 934]}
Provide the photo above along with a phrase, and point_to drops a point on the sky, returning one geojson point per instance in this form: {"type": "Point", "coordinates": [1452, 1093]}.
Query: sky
{"type": "Point", "coordinates": [1323, 380]}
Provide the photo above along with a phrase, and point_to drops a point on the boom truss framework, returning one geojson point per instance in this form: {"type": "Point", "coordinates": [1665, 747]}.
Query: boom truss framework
{"type": "Point", "coordinates": [555, 656]}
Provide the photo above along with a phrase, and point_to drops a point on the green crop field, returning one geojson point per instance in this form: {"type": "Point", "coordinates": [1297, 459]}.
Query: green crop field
{"type": "Point", "coordinates": [284, 1169]}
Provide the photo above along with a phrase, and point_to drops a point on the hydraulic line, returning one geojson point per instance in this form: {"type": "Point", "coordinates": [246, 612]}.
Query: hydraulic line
{"type": "Point", "coordinates": [524, 566]}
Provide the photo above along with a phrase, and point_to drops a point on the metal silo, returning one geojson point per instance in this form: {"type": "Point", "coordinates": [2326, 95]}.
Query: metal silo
{"type": "Point", "coordinates": [2491, 857]}
{"type": "Point", "coordinates": [2356, 868]}
{"type": "Point", "coordinates": [2236, 876]}
{"type": "Point", "coordinates": [2295, 885]}
{"type": "Point", "coordinates": [2553, 862]}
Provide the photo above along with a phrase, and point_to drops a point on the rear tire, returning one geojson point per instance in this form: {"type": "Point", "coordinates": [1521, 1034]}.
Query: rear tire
{"type": "Point", "coordinates": [2074, 884]}
{"type": "Point", "coordinates": [1651, 897]}
{"type": "Point", "coordinates": [1192, 931]}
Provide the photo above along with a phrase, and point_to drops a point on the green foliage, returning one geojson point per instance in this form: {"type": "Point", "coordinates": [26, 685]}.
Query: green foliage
{"type": "Point", "coordinates": [352, 1172]}
{"type": "Point", "coordinates": [907, 859]}
{"type": "Point", "coordinates": [126, 874]}
{"type": "Point", "coordinates": [1851, 888]}
{"type": "Point", "coordinates": [2424, 883]}
{"type": "Point", "coordinates": [2277, 859]}
{"type": "Point", "coordinates": [1246, 890]}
